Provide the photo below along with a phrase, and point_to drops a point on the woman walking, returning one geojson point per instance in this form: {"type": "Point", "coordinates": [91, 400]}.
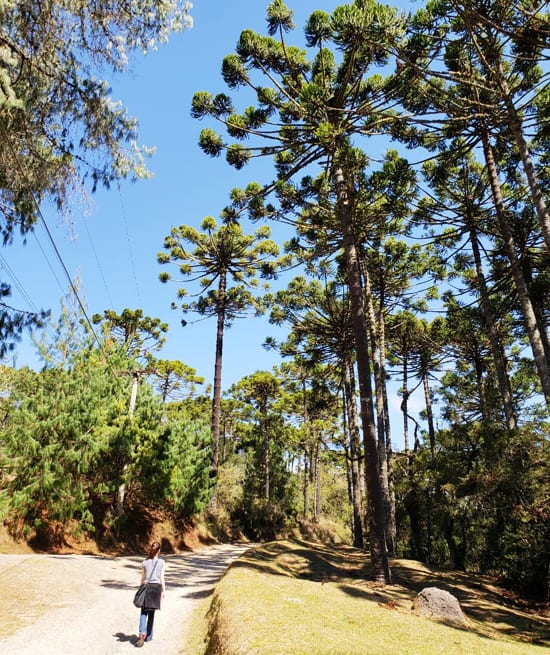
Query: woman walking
{"type": "Point", "coordinates": [152, 573]}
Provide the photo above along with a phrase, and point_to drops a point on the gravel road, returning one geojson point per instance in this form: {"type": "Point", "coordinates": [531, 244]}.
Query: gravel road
{"type": "Point", "coordinates": [82, 605]}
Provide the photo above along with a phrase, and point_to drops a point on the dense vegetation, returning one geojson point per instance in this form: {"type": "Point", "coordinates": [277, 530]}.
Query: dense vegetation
{"type": "Point", "coordinates": [433, 275]}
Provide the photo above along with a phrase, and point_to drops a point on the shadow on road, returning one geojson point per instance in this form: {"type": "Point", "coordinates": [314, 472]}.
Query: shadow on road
{"type": "Point", "coordinates": [194, 573]}
{"type": "Point", "coordinates": [121, 637]}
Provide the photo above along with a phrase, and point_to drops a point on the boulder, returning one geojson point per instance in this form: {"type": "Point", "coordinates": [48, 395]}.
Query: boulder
{"type": "Point", "coordinates": [441, 605]}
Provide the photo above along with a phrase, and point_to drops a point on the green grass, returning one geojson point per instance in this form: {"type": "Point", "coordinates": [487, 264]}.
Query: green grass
{"type": "Point", "coordinates": [197, 630]}
{"type": "Point", "coordinates": [297, 598]}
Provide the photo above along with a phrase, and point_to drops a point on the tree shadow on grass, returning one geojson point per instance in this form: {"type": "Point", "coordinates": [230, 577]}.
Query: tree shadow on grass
{"type": "Point", "coordinates": [480, 598]}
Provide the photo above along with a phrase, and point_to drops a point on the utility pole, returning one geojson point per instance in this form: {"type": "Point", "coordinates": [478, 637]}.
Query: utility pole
{"type": "Point", "coordinates": [136, 374]}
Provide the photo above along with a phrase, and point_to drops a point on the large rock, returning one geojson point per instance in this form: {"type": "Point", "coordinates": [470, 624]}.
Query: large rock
{"type": "Point", "coordinates": [439, 604]}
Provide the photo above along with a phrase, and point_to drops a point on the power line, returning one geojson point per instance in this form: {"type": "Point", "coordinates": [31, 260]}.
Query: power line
{"type": "Point", "coordinates": [59, 257]}
{"type": "Point", "coordinates": [129, 244]}
{"type": "Point", "coordinates": [62, 289]}
{"type": "Point", "coordinates": [18, 285]}
{"type": "Point", "coordinates": [50, 237]}
{"type": "Point", "coordinates": [65, 270]}
{"type": "Point", "coordinates": [98, 264]}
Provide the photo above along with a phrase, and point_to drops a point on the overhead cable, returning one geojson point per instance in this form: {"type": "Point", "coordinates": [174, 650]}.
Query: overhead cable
{"type": "Point", "coordinates": [50, 236]}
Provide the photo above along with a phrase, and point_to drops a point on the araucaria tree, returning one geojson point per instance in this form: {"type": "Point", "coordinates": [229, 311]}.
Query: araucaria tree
{"type": "Point", "coordinates": [308, 114]}
{"type": "Point", "coordinates": [472, 70]}
{"type": "Point", "coordinates": [225, 262]}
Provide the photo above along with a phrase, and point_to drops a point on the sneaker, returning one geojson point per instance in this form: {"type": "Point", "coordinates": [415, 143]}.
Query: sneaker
{"type": "Point", "coordinates": [140, 641]}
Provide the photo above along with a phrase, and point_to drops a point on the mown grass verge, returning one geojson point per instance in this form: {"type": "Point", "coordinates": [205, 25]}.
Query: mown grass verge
{"type": "Point", "coordinates": [299, 598]}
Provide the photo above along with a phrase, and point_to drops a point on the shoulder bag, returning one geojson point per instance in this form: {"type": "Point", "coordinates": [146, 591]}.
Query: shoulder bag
{"type": "Point", "coordinates": [139, 597]}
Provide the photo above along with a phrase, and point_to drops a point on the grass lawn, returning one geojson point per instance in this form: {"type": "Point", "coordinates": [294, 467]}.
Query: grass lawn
{"type": "Point", "coordinates": [299, 598]}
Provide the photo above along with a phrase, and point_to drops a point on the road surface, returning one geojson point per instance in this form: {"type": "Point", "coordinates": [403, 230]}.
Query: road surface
{"type": "Point", "coordinates": [82, 605]}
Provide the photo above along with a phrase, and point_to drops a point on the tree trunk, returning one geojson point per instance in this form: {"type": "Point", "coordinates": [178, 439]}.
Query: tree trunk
{"type": "Point", "coordinates": [456, 544]}
{"type": "Point", "coordinates": [405, 402]}
{"type": "Point", "coordinates": [429, 412]}
{"type": "Point", "coordinates": [317, 482]}
{"type": "Point", "coordinates": [412, 505]}
{"type": "Point", "coordinates": [496, 349]}
{"type": "Point", "coordinates": [480, 375]}
{"type": "Point", "coordinates": [490, 54]}
{"type": "Point", "coordinates": [529, 317]}
{"type": "Point", "coordinates": [379, 555]}
{"type": "Point", "coordinates": [516, 127]}
{"type": "Point", "coordinates": [267, 462]}
{"type": "Point", "coordinates": [376, 331]}
{"type": "Point", "coordinates": [217, 395]}
{"type": "Point", "coordinates": [306, 484]}
{"type": "Point", "coordinates": [355, 456]}
{"type": "Point", "coordinates": [307, 430]}
{"type": "Point", "coordinates": [121, 492]}
{"type": "Point", "coordinates": [389, 452]}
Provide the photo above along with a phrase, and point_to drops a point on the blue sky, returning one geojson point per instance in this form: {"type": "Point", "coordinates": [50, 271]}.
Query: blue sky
{"type": "Point", "coordinates": [111, 244]}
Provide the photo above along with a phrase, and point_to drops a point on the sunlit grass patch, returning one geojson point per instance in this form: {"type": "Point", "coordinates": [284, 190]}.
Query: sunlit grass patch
{"type": "Point", "coordinates": [295, 598]}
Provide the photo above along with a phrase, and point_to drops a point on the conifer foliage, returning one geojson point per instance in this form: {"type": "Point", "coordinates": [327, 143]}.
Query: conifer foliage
{"type": "Point", "coordinates": [427, 282]}
{"type": "Point", "coordinates": [61, 130]}
{"type": "Point", "coordinates": [69, 443]}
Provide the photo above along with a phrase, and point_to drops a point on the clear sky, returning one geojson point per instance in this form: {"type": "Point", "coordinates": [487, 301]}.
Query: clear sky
{"type": "Point", "coordinates": [112, 243]}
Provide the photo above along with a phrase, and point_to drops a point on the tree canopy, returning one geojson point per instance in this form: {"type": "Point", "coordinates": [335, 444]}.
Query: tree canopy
{"type": "Point", "coordinates": [427, 281]}
{"type": "Point", "coordinates": [62, 132]}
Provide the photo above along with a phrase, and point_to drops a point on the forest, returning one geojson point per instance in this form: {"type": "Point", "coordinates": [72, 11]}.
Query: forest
{"type": "Point", "coordinates": [428, 268]}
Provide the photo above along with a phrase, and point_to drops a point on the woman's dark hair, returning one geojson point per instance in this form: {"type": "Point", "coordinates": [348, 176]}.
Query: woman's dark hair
{"type": "Point", "coordinates": [154, 549]}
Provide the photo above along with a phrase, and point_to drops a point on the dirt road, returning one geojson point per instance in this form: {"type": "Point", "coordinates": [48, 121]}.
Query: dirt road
{"type": "Point", "coordinates": [82, 605]}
